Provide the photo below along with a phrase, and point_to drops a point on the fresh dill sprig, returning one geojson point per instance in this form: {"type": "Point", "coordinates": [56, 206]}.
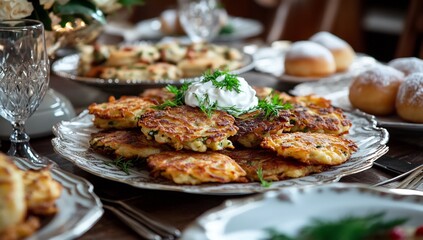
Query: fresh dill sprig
{"type": "Point", "coordinates": [178, 99]}
{"type": "Point", "coordinates": [350, 227]}
{"type": "Point", "coordinates": [230, 82]}
{"type": "Point", "coordinates": [271, 106]}
{"type": "Point", "coordinates": [263, 182]}
{"type": "Point", "coordinates": [205, 105]}
{"type": "Point", "coordinates": [208, 108]}
{"type": "Point", "coordinates": [123, 164]}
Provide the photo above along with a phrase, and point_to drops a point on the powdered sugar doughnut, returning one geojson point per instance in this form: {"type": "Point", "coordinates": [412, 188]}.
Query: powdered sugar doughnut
{"type": "Point", "coordinates": [309, 59]}
{"type": "Point", "coordinates": [342, 52]}
{"type": "Point", "coordinates": [409, 101]}
{"type": "Point", "coordinates": [375, 90]}
{"type": "Point", "coordinates": [407, 65]}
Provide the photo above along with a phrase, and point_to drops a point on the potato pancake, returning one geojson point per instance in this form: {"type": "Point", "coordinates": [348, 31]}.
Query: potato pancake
{"type": "Point", "coordinates": [311, 148]}
{"type": "Point", "coordinates": [119, 114]}
{"type": "Point", "coordinates": [195, 168]}
{"type": "Point", "coordinates": [190, 128]}
{"type": "Point", "coordinates": [157, 95]}
{"type": "Point", "coordinates": [274, 168]}
{"type": "Point", "coordinates": [254, 126]}
{"type": "Point", "coordinates": [319, 119]}
{"type": "Point", "coordinates": [127, 144]}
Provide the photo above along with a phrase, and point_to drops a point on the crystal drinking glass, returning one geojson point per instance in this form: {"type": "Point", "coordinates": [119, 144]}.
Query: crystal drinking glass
{"type": "Point", "coordinates": [24, 79]}
{"type": "Point", "coordinates": [200, 19]}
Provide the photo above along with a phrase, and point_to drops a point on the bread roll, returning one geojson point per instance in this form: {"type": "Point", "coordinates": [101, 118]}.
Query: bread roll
{"type": "Point", "coordinates": [407, 65]}
{"type": "Point", "coordinates": [342, 52]}
{"type": "Point", "coordinates": [409, 101]}
{"type": "Point", "coordinates": [12, 194]}
{"type": "Point", "coordinates": [308, 59]}
{"type": "Point", "coordinates": [375, 90]}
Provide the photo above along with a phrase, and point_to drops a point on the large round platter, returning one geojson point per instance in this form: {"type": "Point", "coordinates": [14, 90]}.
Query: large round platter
{"type": "Point", "coordinates": [150, 29]}
{"type": "Point", "coordinates": [291, 209]}
{"type": "Point", "coordinates": [337, 91]}
{"type": "Point", "coordinates": [72, 143]}
{"type": "Point", "coordinates": [79, 207]}
{"type": "Point", "coordinates": [66, 67]}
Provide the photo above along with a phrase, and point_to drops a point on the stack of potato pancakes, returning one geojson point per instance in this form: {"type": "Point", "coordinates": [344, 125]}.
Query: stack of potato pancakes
{"type": "Point", "coordinates": [189, 146]}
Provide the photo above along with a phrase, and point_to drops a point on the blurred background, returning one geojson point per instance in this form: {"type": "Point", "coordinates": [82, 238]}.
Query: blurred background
{"type": "Point", "coordinates": [384, 29]}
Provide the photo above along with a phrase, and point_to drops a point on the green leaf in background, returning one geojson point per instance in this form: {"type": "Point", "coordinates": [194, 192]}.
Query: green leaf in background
{"type": "Point", "coordinates": [348, 228]}
{"type": "Point", "coordinates": [128, 3]}
{"type": "Point", "coordinates": [41, 14]}
{"type": "Point", "coordinates": [84, 9]}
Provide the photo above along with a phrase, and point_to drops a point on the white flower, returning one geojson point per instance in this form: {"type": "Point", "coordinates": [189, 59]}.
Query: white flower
{"type": "Point", "coordinates": [15, 9]}
{"type": "Point", "coordinates": [107, 6]}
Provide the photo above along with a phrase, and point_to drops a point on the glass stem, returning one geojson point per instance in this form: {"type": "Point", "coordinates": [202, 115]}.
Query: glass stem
{"type": "Point", "coordinates": [19, 146]}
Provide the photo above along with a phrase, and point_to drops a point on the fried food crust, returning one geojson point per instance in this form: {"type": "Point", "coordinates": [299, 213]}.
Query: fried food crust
{"type": "Point", "coordinates": [119, 113]}
{"type": "Point", "coordinates": [190, 128]}
{"type": "Point", "coordinates": [274, 168]}
{"type": "Point", "coordinates": [311, 148]}
{"type": "Point", "coordinates": [195, 168]}
{"type": "Point", "coordinates": [127, 144]}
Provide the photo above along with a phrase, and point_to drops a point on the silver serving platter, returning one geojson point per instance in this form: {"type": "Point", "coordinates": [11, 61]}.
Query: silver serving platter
{"type": "Point", "coordinates": [66, 67]}
{"type": "Point", "coordinates": [72, 142]}
{"type": "Point", "coordinates": [79, 207]}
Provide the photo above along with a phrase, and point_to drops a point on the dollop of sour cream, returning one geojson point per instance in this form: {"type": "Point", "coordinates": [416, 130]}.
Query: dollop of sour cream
{"type": "Point", "coordinates": [226, 100]}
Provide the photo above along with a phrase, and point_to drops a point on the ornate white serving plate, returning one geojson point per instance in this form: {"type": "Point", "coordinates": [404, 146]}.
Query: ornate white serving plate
{"type": "Point", "coordinates": [337, 91]}
{"type": "Point", "coordinates": [79, 207]}
{"type": "Point", "coordinates": [290, 209]}
{"type": "Point", "coordinates": [72, 143]}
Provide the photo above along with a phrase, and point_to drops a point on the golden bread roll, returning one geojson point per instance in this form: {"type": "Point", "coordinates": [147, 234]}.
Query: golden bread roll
{"type": "Point", "coordinates": [309, 59]}
{"type": "Point", "coordinates": [407, 65]}
{"type": "Point", "coordinates": [342, 52]}
{"type": "Point", "coordinates": [374, 91]}
{"type": "Point", "coordinates": [12, 194]}
{"type": "Point", "coordinates": [409, 101]}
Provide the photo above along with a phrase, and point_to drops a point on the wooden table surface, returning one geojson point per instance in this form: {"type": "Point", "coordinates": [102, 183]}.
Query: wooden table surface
{"type": "Point", "coordinates": [180, 209]}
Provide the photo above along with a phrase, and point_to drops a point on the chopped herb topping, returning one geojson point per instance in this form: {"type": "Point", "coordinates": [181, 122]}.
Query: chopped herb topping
{"type": "Point", "coordinates": [178, 99]}
{"type": "Point", "coordinates": [124, 164]}
{"type": "Point", "coordinates": [208, 108]}
{"type": "Point", "coordinates": [229, 83]}
{"type": "Point", "coordinates": [263, 182]}
{"type": "Point", "coordinates": [271, 106]}
{"type": "Point", "coordinates": [351, 228]}
{"type": "Point", "coordinates": [205, 105]}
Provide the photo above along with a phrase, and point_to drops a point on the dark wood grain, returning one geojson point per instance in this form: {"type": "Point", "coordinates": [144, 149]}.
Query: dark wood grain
{"type": "Point", "coordinates": [180, 209]}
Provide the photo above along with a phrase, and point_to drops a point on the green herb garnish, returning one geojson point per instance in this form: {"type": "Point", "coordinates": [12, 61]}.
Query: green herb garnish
{"type": "Point", "coordinates": [229, 83]}
{"type": "Point", "coordinates": [272, 106]}
{"type": "Point", "coordinates": [205, 105]}
{"type": "Point", "coordinates": [178, 99]}
{"type": "Point", "coordinates": [348, 228]}
{"type": "Point", "coordinates": [123, 164]}
{"type": "Point", "coordinates": [263, 182]}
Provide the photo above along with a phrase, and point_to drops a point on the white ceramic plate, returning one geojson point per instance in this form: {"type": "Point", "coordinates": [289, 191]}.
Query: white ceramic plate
{"type": "Point", "coordinates": [275, 66]}
{"type": "Point", "coordinates": [337, 92]}
{"type": "Point", "coordinates": [150, 30]}
{"type": "Point", "coordinates": [79, 207]}
{"type": "Point", "coordinates": [66, 67]}
{"type": "Point", "coordinates": [290, 209]}
{"type": "Point", "coordinates": [72, 143]}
